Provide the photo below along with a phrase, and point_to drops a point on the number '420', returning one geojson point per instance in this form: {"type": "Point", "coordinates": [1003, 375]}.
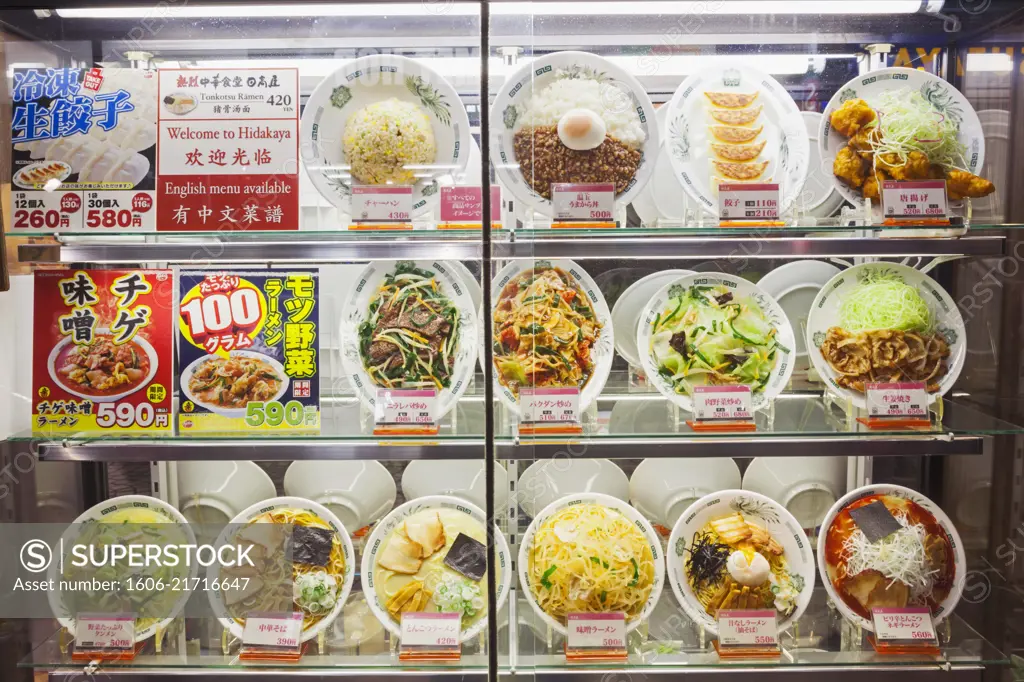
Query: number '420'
{"type": "Point", "coordinates": [274, 413]}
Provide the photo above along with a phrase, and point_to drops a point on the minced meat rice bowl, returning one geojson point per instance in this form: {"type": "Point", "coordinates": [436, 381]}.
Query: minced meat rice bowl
{"type": "Point", "coordinates": [382, 139]}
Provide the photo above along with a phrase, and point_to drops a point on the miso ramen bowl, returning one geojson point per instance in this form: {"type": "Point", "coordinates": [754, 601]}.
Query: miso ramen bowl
{"type": "Point", "coordinates": [59, 356]}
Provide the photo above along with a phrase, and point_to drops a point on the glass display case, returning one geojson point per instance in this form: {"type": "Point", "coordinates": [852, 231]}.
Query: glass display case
{"type": "Point", "coordinates": [570, 341]}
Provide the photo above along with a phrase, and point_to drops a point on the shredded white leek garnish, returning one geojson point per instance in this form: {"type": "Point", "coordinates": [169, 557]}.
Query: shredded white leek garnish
{"type": "Point", "coordinates": [900, 556]}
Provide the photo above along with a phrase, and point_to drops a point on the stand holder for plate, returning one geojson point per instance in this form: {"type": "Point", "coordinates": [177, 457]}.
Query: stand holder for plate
{"type": "Point", "coordinates": [66, 639]}
{"type": "Point", "coordinates": [763, 418]}
{"type": "Point", "coordinates": [854, 416]}
{"type": "Point", "coordinates": [228, 641]}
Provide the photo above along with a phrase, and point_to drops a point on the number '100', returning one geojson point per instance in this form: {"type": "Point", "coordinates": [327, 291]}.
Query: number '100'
{"type": "Point", "coordinates": [219, 312]}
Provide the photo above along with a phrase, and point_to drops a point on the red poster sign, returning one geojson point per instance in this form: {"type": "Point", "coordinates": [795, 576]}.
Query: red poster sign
{"type": "Point", "coordinates": [102, 351]}
{"type": "Point", "coordinates": [228, 149]}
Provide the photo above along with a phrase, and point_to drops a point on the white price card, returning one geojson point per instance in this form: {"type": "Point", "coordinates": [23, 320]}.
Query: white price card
{"type": "Point", "coordinates": [381, 204]}
{"type": "Point", "coordinates": [549, 405]}
{"type": "Point", "coordinates": [596, 630]}
{"type": "Point", "coordinates": [745, 628]}
{"type": "Point", "coordinates": [903, 400]}
{"type": "Point", "coordinates": [914, 199]}
{"type": "Point", "coordinates": [431, 630]}
{"type": "Point", "coordinates": [405, 406]}
{"type": "Point", "coordinates": [105, 631]}
{"type": "Point", "coordinates": [267, 630]}
{"type": "Point", "coordinates": [722, 403]}
{"type": "Point", "coordinates": [746, 201]}
{"type": "Point", "coordinates": [912, 624]}
{"type": "Point", "coordinates": [583, 203]}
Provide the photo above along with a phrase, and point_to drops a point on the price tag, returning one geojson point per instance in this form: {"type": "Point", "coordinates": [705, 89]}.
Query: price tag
{"type": "Point", "coordinates": [722, 403]}
{"type": "Point", "coordinates": [907, 400]}
{"type": "Point", "coordinates": [105, 631]}
{"type": "Point", "coordinates": [53, 210]}
{"type": "Point", "coordinates": [591, 202]}
{"type": "Point", "coordinates": [748, 629]}
{"type": "Point", "coordinates": [549, 405]}
{"type": "Point", "coordinates": [266, 631]}
{"type": "Point", "coordinates": [603, 631]}
{"type": "Point", "coordinates": [399, 410]}
{"type": "Point", "coordinates": [746, 201]}
{"type": "Point", "coordinates": [430, 636]}
{"type": "Point", "coordinates": [914, 199]}
{"type": "Point", "coordinates": [911, 624]}
{"type": "Point", "coordinates": [389, 204]}
{"type": "Point", "coordinates": [463, 206]}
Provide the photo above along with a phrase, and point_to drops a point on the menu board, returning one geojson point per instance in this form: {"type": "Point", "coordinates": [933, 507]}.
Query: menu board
{"type": "Point", "coordinates": [84, 149]}
{"type": "Point", "coordinates": [102, 351]}
{"type": "Point", "coordinates": [228, 151]}
{"type": "Point", "coordinates": [248, 349]}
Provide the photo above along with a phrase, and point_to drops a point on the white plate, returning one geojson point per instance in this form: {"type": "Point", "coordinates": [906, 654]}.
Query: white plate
{"type": "Point", "coordinates": [532, 77]}
{"type": "Point", "coordinates": [995, 123]}
{"type": "Point", "coordinates": [51, 365]}
{"type": "Point", "coordinates": [604, 347]}
{"type": "Point", "coordinates": [358, 493]}
{"type": "Point", "coordinates": [946, 99]}
{"type": "Point", "coordinates": [959, 560]}
{"type": "Point", "coordinates": [355, 310]}
{"type": "Point", "coordinates": [630, 305]}
{"type": "Point", "coordinates": [217, 596]}
{"type": "Point", "coordinates": [362, 82]}
{"type": "Point", "coordinates": [687, 140]}
{"type": "Point", "coordinates": [663, 488]}
{"type": "Point", "coordinates": [820, 198]}
{"type": "Point", "coordinates": [472, 284]}
{"type": "Point", "coordinates": [805, 486]}
{"type": "Point", "coordinates": [232, 412]}
{"type": "Point", "coordinates": [20, 175]}
{"type": "Point", "coordinates": [642, 524]}
{"type": "Point", "coordinates": [669, 197]}
{"type": "Point", "coordinates": [741, 288]}
{"type": "Point", "coordinates": [825, 314]}
{"type": "Point", "coordinates": [462, 478]}
{"type": "Point", "coordinates": [547, 480]}
{"type": "Point", "coordinates": [768, 513]}
{"type": "Point", "coordinates": [212, 493]}
{"type": "Point", "coordinates": [96, 513]}
{"type": "Point", "coordinates": [794, 286]}
{"type": "Point", "coordinates": [390, 522]}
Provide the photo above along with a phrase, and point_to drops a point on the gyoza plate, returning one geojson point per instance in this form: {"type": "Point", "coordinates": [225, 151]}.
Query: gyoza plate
{"type": "Point", "coordinates": [763, 511]}
{"type": "Point", "coordinates": [740, 288]}
{"type": "Point", "coordinates": [362, 82]}
{"type": "Point", "coordinates": [825, 313]}
{"type": "Point", "coordinates": [355, 311]}
{"type": "Point", "coordinates": [532, 77]}
{"type": "Point", "coordinates": [603, 351]}
{"type": "Point", "coordinates": [687, 140]}
{"type": "Point", "coordinates": [943, 96]}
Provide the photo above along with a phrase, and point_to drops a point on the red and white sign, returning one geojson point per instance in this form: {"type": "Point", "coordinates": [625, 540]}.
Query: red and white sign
{"type": "Point", "coordinates": [272, 630]}
{"type": "Point", "coordinates": [742, 628]}
{"type": "Point", "coordinates": [228, 149]}
{"type": "Point", "coordinates": [906, 624]}
{"type": "Point", "coordinates": [904, 400]}
{"type": "Point", "coordinates": [105, 631]}
{"type": "Point", "coordinates": [746, 201]}
{"type": "Point", "coordinates": [381, 204]}
{"type": "Point", "coordinates": [725, 403]}
{"type": "Point", "coordinates": [466, 204]}
{"type": "Point", "coordinates": [583, 202]}
{"type": "Point", "coordinates": [433, 630]}
{"type": "Point", "coordinates": [914, 199]}
{"type": "Point", "coordinates": [596, 630]}
{"type": "Point", "coordinates": [549, 405]}
{"type": "Point", "coordinates": [414, 406]}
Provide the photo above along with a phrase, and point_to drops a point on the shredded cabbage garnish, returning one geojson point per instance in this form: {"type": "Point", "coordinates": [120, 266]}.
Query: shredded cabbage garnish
{"type": "Point", "coordinates": [909, 122]}
{"type": "Point", "coordinates": [900, 556]}
{"type": "Point", "coordinates": [885, 302]}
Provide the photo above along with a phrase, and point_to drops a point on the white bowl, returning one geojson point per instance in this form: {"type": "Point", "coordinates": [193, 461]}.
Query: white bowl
{"type": "Point", "coordinates": [383, 529]}
{"type": "Point", "coordinates": [51, 365]}
{"type": "Point", "coordinates": [217, 597]}
{"type": "Point", "coordinates": [358, 493]}
{"type": "Point", "coordinates": [642, 524]}
{"type": "Point", "coordinates": [662, 489]}
{"type": "Point", "coordinates": [806, 486]}
{"type": "Point", "coordinates": [548, 480]}
{"type": "Point", "coordinates": [212, 493]}
{"type": "Point", "coordinates": [96, 513]}
{"type": "Point", "coordinates": [460, 478]}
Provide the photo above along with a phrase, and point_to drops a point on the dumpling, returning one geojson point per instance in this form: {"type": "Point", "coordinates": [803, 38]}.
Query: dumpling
{"type": "Point", "coordinates": [114, 165]}
{"type": "Point", "coordinates": [738, 152]}
{"type": "Point", "coordinates": [731, 100]}
{"type": "Point", "coordinates": [740, 171]}
{"type": "Point", "coordinates": [735, 135]}
{"type": "Point", "coordinates": [736, 117]}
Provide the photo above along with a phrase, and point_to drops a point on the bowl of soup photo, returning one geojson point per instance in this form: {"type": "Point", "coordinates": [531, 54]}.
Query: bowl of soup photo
{"type": "Point", "coordinates": [101, 370]}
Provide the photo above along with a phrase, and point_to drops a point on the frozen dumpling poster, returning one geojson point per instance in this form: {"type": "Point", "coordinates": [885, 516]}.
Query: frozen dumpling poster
{"type": "Point", "coordinates": [84, 149]}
